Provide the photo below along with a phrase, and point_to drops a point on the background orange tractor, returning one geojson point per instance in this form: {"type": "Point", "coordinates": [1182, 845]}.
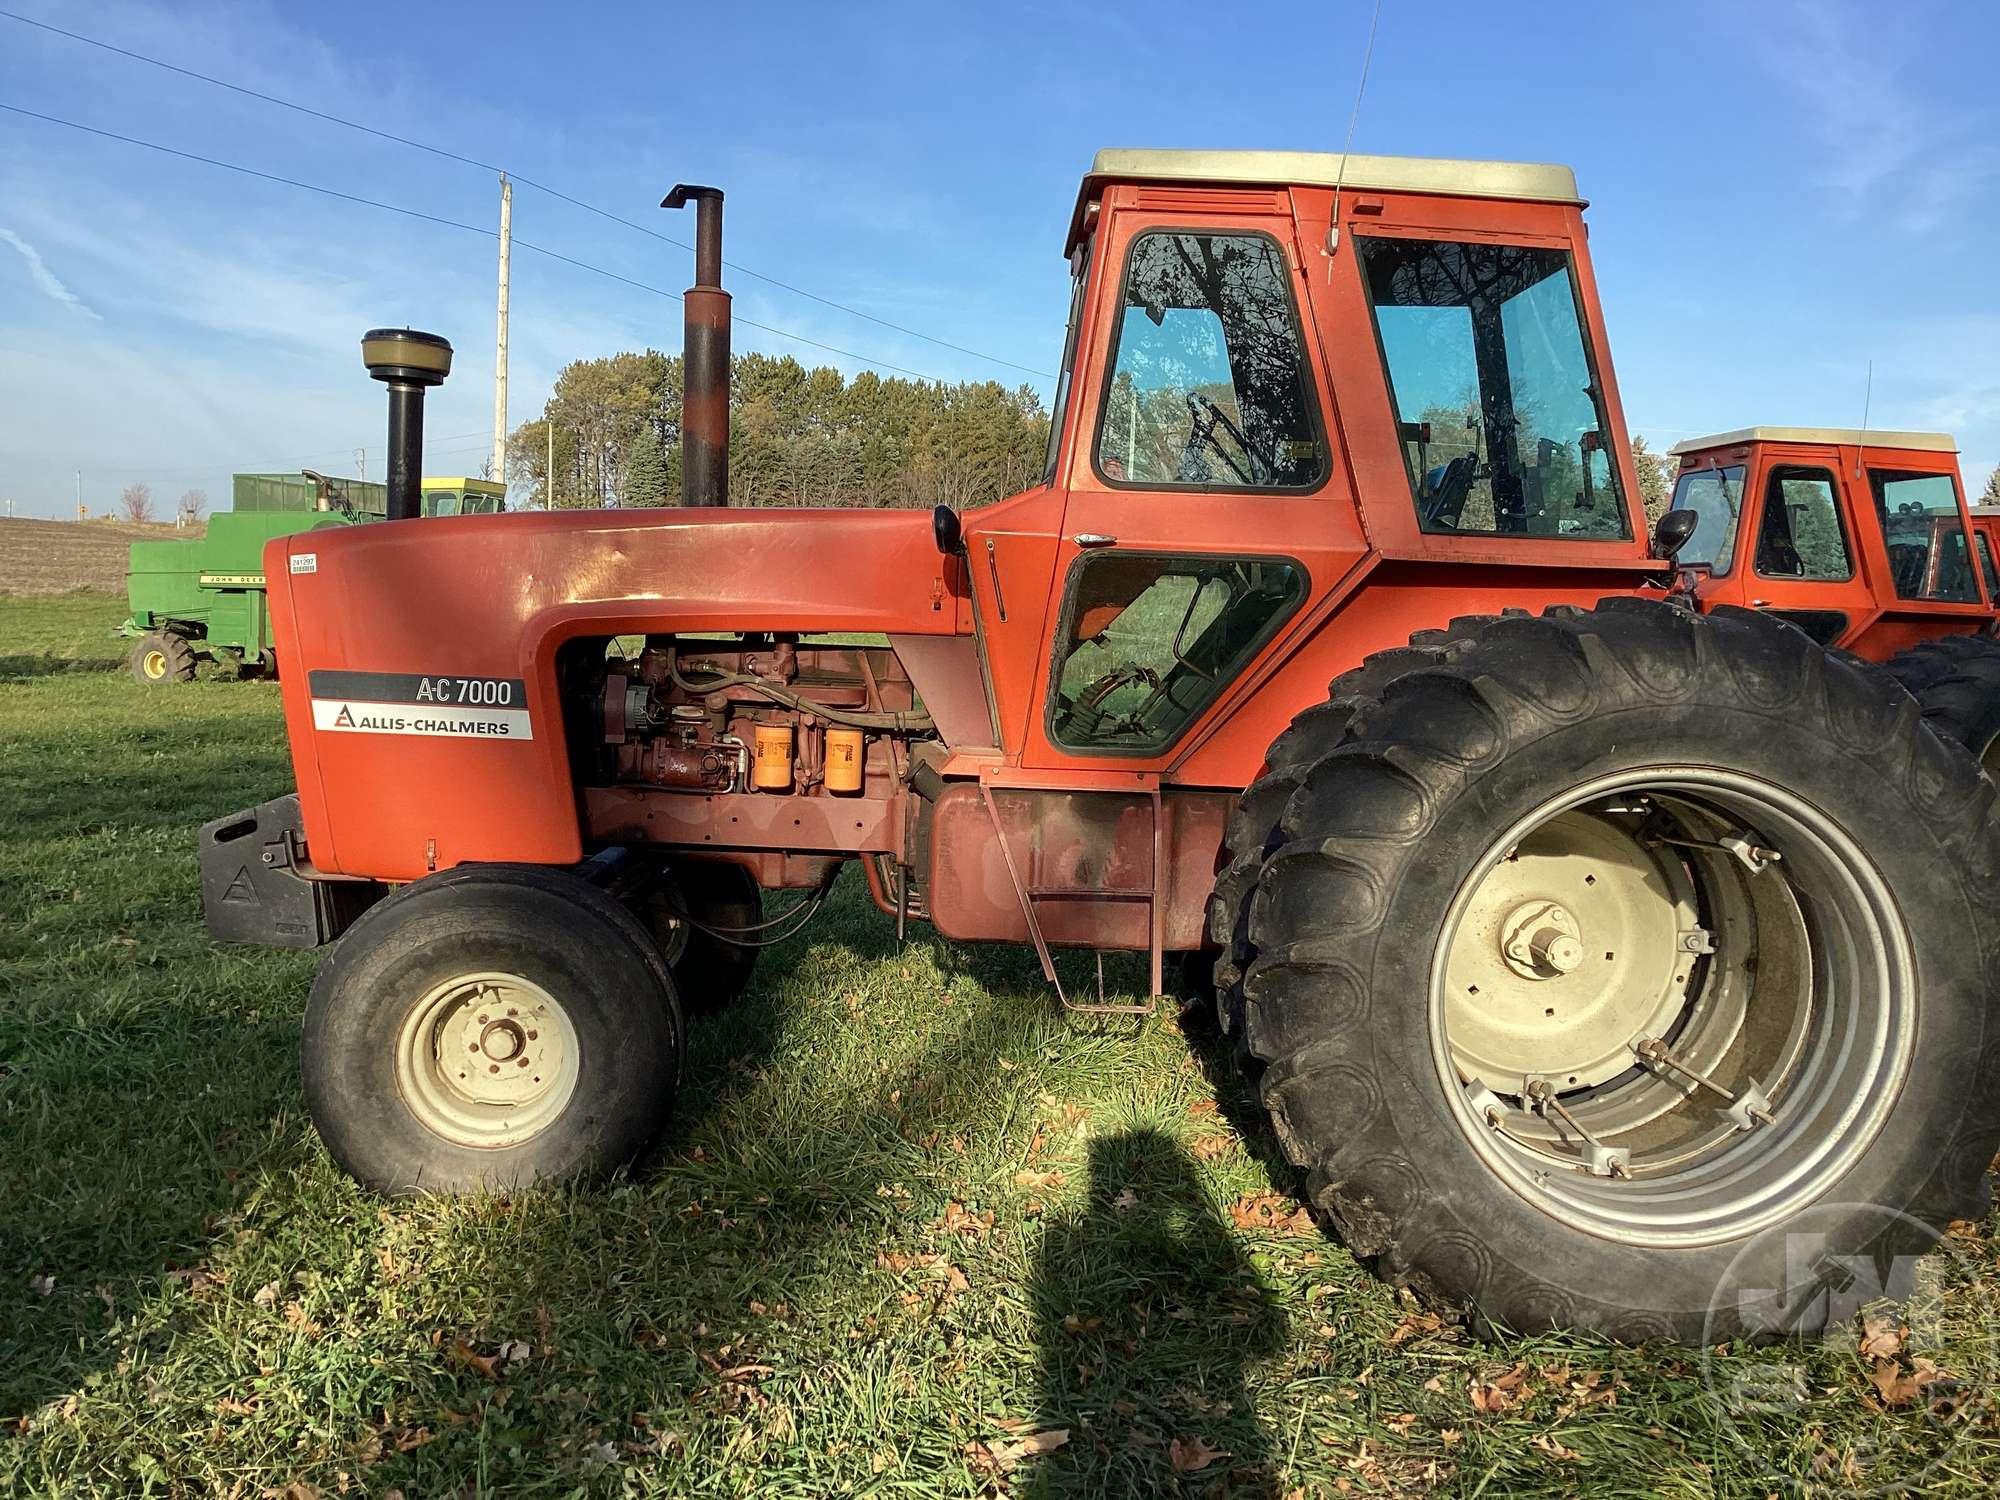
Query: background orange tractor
{"type": "Point", "coordinates": [1576, 940]}
{"type": "Point", "coordinates": [1862, 540]}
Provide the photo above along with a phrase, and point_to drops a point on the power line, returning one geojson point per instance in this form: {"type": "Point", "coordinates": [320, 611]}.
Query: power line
{"type": "Point", "coordinates": [528, 182]}
{"type": "Point", "coordinates": [417, 213]}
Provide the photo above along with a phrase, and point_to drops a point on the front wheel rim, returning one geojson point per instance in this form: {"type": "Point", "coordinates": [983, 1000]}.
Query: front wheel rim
{"type": "Point", "coordinates": [1794, 992]}
{"type": "Point", "coordinates": [155, 663]}
{"type": "Point", "coordinates": [486, 1060]}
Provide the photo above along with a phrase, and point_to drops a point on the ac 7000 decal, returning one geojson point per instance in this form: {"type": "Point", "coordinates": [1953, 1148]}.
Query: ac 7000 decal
{"type": "Point", "coordinates": [419, 703]}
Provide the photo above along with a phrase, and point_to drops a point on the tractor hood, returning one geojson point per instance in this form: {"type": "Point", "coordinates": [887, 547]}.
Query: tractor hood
{"type": "Point", "coordinates": [412, 653]}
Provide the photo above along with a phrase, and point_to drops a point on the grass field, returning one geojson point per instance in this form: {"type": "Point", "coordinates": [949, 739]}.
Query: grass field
{"type": "Point", "coordinates": [912, 1233]}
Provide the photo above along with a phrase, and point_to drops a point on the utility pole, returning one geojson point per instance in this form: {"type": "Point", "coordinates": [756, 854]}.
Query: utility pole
{"type": "Point", "coordinates": [79, 494]}
{"type": "Point", "coordinates": [500, 352]}
{"type": "Point", "coordinates": [360, 463]}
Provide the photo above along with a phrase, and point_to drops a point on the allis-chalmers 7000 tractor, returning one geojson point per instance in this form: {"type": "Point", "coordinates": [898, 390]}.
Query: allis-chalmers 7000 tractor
{"type": "Point", "coordinates": [1579, 942]}
{"type": "Point", "coordinates": [1862, 539]}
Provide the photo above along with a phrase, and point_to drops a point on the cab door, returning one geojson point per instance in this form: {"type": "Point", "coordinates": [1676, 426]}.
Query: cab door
{"type": "Point", "coordinates": [1206, 511]}
{"type": "Point", "coordinates": [1798, 553]}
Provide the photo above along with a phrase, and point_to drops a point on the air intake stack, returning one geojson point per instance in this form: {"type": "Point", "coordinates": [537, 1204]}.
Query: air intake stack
{"type": "Point", "coordinates": [409, 363]}
{"type": "Point", "coordinates": [704, 355]}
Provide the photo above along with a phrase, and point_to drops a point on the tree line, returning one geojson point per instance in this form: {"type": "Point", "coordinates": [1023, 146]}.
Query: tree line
{"type": "Point", "coordinates": [796, 437]}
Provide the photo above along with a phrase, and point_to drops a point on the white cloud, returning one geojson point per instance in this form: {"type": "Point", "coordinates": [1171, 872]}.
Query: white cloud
{"type": "Point", "coordinates": [46, 279]}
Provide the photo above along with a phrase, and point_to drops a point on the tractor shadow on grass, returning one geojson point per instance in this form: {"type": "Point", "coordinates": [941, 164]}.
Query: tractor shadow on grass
{"type": "Point", "coordinates": [1149, 1317]}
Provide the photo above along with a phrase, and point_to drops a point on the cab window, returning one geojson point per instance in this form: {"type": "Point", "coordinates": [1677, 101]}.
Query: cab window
{"type": "Point", "coordinates": [1801, 535]}
{"type": "Point", "coordinates": [1921, 528]}
{"type": "Point", "coordinates": [1716, 497]}
{"type": "Point", "coordinates": [1208, 384]}
{"type": "Point", "coordinates": [440, 503]}
{"type": "Point", "coordinates": [1496, 399]}
{"type": "Point", "coordinates": [1986, 568]}
{"type": "Point", "coordinates": [1150, 638]}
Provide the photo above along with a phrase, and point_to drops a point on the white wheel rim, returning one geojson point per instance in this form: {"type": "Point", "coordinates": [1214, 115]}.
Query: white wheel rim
{"type": "Point", "coordinates": [156, 663]}
{"type": "Point", "coordinates": [486, 1060]}
{"type": "Point", "coordinates": [1805, 1011]}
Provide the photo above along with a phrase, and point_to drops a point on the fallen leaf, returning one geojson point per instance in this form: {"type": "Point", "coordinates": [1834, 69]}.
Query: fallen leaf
{"type": "Point", "coordinates": [1034, 1445]}
{"type": "Point", "coordinates": [1272, 1212]}
{"type": "Point", "coordinates": [1191, 1455]}
{"type": "Point", "coordinates": [1413, 1326]}
{"type": "Point", "coordinates": [41, 1286]}
{"type": "Point", "coordinates": [1073, 1325]}
{"type": "Point", "coordinates": [1050, 1179]}
{"type": "Point", "coordinates": [1209, 1147]}
{"type": "Point", "coordinates": [488, 1365]}
{"type": "Point", "coordinates": [266, 1295]}
{"type": "Point", "coordinates": [956, 1278]}
{"type": "Point", "coordinates": [516, 1351]}
{"type": "Point", "coordinates": [1201, 1107]}
{"type": "Point", "coordinates": [1553, 1448]}
{"type": "Point", "coordinates": [1881, 1338]}
{"type": "Point", "coordinates": [295, 1315]}
{"type": "Point", "coordinates": [1126, 1199]}
{"type": "Point", "coordinates": [229, 1406]}
{"type": "Point", "coordinates": [1497, 1393]}
{"type": "Point", "coordinates": [1899, 1388]}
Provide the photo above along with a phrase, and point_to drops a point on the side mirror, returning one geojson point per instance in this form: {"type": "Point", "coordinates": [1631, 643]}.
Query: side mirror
{"type": "Point", "coordinates": [946, 528]}
{"type": "Point", "coordinates": [1672, 534]}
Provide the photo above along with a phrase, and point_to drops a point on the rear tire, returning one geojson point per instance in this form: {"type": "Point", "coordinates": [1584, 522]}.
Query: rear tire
{"type": "Point", "coordinates": [486, 1029]}
{"type": "Point", "coordinates": [161, 657]}
{"type": "Point", "coordinates": [1383, 1075]}
{"type": "Point", "coordinates": [1957, 682]}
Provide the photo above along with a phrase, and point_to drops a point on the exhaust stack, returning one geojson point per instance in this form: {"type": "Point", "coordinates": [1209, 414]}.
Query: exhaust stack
{"type": "Point", "coordinates": [704, 355]}
{"type": "Point", "coordinates": [409, 363]}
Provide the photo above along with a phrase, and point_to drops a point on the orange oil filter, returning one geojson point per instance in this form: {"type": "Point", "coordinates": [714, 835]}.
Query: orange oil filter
{"type": "Point", "coordinates": [771, 765]}
{"type": "Point", "coordinates": [843, 760]}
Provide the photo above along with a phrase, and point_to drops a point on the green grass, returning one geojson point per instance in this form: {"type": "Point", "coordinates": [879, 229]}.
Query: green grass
{"type": "Point", "coordinates": [908, 1214]}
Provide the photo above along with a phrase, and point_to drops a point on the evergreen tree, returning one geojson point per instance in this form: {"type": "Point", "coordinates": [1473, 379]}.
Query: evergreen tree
{"type": "Point", "coordinates": [1992, 495]}
{"type": "Point", "coordinates": [645, 472]}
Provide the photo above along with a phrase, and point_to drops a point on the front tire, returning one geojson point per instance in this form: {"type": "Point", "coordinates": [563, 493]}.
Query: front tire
{"type": "Point", "coordinates": [1528, 860]}
{"type": "Point", "coordinates": [486, 1031]}
{"type": "Point", "coordinates": [161, 657]}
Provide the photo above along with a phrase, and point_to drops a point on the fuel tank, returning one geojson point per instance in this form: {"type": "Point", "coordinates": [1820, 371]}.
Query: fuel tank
{"type": "Point", "coordinates": [417, 658]}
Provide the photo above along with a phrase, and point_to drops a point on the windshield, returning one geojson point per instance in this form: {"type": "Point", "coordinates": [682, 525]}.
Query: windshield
{"type": "Point", "coordinates": [440, 503]}
{"type": "Point", "coordinates": [1061, 408]}
{"type": "Point", "coordinates": [1497, 403]}
{"type": "Point", "coordinates": [1716, 496]}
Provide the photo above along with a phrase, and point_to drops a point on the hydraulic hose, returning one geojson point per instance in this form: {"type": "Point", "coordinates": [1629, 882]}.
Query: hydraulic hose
{"type": "Point", "coordinates": [901, 723]}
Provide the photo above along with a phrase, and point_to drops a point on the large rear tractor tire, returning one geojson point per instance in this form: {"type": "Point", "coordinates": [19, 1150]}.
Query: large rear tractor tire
{"type": "Point", "coordinates": [488, 1028]}
{"type": "Point", "coordinates": [161, 657]}
{"type": "Point", "coordinates": [1610, 944]}
{"type": "Point", "coordinates": [1957, 682]}
{"type": "Point", "coordinates": [696, 913]}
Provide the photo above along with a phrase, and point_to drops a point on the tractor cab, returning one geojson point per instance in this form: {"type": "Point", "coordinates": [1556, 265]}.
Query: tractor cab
{"type": "Point", "coordinates": [462, 496]}
{"type": "Point", "coordinates": [1862, 539]}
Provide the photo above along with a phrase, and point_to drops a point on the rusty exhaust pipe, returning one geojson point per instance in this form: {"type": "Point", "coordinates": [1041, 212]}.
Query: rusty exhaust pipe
{"type": "Point", "coordinates": [409, 363]}
{"type": "Point", "coordinates": [704, 355]}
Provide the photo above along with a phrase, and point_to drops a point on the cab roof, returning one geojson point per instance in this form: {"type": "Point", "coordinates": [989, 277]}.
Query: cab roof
{"type": "Point", "coordinates": [463, 482]}
{"type": "Point", "coordinates": [1537, 182]}
{"type": "Point", "coordinates": [1841, 437]}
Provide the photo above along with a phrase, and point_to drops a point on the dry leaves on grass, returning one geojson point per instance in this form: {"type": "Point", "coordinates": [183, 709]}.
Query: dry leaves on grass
{"type": "Point", "coordinates": [1492, 1394]}
{"type": "Point", "coordinates": [1273, 1213]}
{"type": "Point", "coordinates": [1209, 1147]}
{"type": "Point", "coordinates": [1554, 1449]}
{"type": "Point", "coordinates": [1050, 1179]}
{"type": "Point", "coordinates": [958, 1219]}
{"type": "Point", "coordinates": [1192, 1455]}
{"type": "Point", "coordinates": [1900, 1387]}
{"type": "Point", "coordinates": [1414, 1325]}
{"type": "Point", "coordinates": [1881, 1338]}
{"type": "Point", "coordinates": [998, 1458]}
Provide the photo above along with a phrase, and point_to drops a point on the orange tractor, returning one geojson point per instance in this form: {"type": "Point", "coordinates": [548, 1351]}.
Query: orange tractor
{"type": "Point", "coordinates": [1863, 540]}
{"type": "Point", "coordinates": [1577, 941]}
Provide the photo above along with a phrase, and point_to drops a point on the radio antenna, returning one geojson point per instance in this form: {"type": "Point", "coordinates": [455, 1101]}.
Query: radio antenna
{"type": "Point", "coordinates": [1347, 146]}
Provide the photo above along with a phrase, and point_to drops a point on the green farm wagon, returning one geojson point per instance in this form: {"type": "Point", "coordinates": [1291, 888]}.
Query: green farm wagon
{"type": "Point", "coordinates": [206, 597]}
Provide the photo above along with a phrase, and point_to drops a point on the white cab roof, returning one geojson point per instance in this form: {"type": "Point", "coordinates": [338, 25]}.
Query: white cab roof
{"type": "Point", "coordinates": [1845, 437]}
{"type": "Point", "coordinates": [1533, 181]}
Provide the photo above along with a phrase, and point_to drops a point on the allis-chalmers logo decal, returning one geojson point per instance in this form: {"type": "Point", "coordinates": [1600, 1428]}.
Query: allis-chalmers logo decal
{"type": "Point", "coordinates": [421, 703]}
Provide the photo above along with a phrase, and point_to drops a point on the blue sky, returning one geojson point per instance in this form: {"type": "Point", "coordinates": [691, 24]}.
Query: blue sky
{"type": "Point", "coordinates": [1782, 192]}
